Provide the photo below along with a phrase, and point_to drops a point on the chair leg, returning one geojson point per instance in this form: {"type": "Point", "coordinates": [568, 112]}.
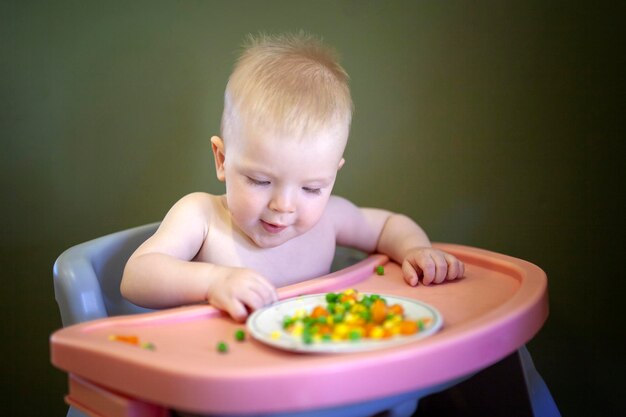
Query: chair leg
{"type": "Point", "coordinates": [510, 387]}
{"type": "Point", "coordinates": [75, 412]}
{"type": "Point", "coordinates": [405, 409]}
{"type": "Point", "coordinates": [541, 400]}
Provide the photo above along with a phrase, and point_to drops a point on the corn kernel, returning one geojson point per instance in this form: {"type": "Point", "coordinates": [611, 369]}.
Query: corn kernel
{"type": "Point", "coordinates": [341, 330]}
{"type": "Point", "coordinates": [377, 332]}
{"type": "Point", "coordinates": [395, 330]}
{"type": "Point", "coordinates": [298, 328]}
{"type": "Point", "coordinates": [350, 318]}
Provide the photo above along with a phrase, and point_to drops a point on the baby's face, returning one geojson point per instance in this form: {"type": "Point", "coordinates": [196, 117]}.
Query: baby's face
{"type": "Point", "coordinates": [277, 188]}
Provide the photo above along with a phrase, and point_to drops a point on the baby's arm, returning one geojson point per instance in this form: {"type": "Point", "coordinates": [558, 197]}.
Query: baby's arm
{"type": "Point", "coordinates": [161, 272]}
{"type": "Point", "coordinates": [406, 243]}
{"type": "Point", "coordinates": [398, 237]}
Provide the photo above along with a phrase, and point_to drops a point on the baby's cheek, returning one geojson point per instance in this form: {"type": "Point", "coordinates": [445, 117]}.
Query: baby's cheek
{"type": "Point", "coordinates": [310, 216]}
{"type": "Point", "coordinates": [241, 210]}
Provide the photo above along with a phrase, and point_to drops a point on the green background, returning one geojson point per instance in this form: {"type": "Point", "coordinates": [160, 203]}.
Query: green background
{"type": "Point", "coordinates": [493, 124]}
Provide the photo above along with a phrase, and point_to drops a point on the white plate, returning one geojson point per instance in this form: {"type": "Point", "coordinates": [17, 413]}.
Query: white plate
{"type": "Point", "coordinates": [266, 321]}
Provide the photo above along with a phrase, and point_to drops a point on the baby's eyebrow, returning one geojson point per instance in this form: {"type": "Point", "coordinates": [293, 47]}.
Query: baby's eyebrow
{"type": "Point", "coordinates": [324, 181]}
{"type": "Point", "coordinates": [254, 169]}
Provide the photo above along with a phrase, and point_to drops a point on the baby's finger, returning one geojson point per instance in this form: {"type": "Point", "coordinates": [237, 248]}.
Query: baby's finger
{"type": "Point", "coordinates": [454, 268]}
{"type": "Point", "coordinates": [252, 299]}
{"type": "Point", "coordinates": [265, 290]}
{"type": "Point", "coordinates": [269, 292]}
{"type": "Point", "coordinates": [441, 268]}
{"type": "Point", "coordinates": [267, 295]}
{"type": "Point", "coordinates": [236, 310]}
{"type": "Point", "coordinates": [429, 268]}
{"type": "Point", "coordinates": [409, 273]}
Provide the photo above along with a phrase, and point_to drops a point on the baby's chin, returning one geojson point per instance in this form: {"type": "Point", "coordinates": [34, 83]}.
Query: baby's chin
{"type": "Point", "coordinates": [261, 241]}
{"type": "Point", "coordinates": [269, 241]}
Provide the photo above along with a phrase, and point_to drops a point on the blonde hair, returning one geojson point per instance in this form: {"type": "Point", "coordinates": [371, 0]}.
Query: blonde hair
{"type": "Point", "coordinates": [290, 84]}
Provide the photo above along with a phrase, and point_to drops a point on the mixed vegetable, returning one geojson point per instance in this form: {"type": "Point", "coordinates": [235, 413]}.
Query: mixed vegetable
{"type": "Point", "coordinates": [352, 316]}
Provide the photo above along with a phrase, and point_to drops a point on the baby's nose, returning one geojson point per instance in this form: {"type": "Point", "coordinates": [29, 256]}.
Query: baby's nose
{"type": "Point", "coordinates": [283, 202]}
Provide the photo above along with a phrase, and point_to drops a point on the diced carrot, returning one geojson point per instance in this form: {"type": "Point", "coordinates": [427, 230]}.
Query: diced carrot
{"type": "Point", "coordinates": [133, 340]}
{"type": "Point", "coordinates": [367, 329]}
{"type": "Point", "coordinates": [387, 333]}
{"type": "Point", "coordinates": [347, 297]}
{"type": "Point", "coordinates": [396, 309]}
{"type": "Point", "coordinates": [379, 311]}
{"type": "Point", "coordinates": [408, 327]}
{"type": "Point", "coordinates": [319, 311]}
{"type": "Point", "coordinates": [325, 329]}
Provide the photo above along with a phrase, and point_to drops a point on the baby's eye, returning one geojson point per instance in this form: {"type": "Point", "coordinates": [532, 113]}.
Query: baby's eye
{"type": "Point", "coordinates": [254, 181]}
{"type": "Point", "coordinates": [312, 190]}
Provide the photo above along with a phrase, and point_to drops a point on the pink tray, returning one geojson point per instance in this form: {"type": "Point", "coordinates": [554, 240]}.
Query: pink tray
{"type": "Point", "coordinates": [499, 305]}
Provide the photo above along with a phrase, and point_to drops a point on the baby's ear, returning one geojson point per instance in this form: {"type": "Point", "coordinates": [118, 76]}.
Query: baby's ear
{"type": "Point", "coordinates": [217, 144]}
{"type": "Point", "coordinates": [343, 161]}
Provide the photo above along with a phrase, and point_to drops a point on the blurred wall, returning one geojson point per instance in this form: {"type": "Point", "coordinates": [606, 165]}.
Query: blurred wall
{"type": "Point", "coordinates": [493, 124]}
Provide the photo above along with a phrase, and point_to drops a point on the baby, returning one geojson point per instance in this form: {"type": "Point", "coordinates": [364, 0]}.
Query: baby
{"type": "Point", "coordinates": [285, 125]}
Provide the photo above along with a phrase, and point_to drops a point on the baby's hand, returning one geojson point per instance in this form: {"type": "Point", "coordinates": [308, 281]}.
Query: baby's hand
{"type": "Point", "coordinates": [239, 288]}
{"type": "Point", "coordinates": [432, 265]}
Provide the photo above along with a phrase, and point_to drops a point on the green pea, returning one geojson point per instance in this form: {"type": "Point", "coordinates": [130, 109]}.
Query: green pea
{"type": "Point", "coordinates": [240, 335]}
{"type": "Point", "coordinates": [287, 321]}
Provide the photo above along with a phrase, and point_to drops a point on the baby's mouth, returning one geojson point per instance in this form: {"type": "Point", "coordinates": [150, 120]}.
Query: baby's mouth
{"type": "Point", "coordinates": [272, 228]}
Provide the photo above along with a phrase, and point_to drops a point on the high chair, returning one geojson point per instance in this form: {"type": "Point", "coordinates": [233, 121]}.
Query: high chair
{"type": "Point", "coordinates": [87, 279]}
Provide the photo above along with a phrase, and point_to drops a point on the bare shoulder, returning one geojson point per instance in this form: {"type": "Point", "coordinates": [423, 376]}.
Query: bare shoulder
{"type": "Point", "coordinates": [341, 213]}
{"type": "Point", "coordinates": [197, 205]}
{"type": "Point", "coordinates": [353, 225]}
{"type": "Point", "coordinates": [195, 210]}
{"type": "Point", "coordinates": [184, 227]}
{"type": "Point", "coordinates": [198, 200]}
{"type": "Point", "coordinates": [336, 202]}
{"type": "Point", "coordinates": [339, 208]}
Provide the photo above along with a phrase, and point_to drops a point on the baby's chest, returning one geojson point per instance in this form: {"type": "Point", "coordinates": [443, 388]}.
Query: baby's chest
{"type": "Point", "coordinates": [284, 267]}
{"type": "Point", "coordinates": [300, 259]}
